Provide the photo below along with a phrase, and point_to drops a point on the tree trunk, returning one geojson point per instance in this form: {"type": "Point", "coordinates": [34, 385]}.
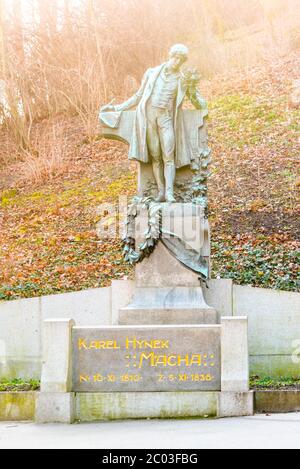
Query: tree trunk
{"type": "Point", "coordinates": [53, 17]}
{"type": "Point", "coordinates": [93, 26]}
{"type": "Point", "coordinates": [214, 18]}
{"type": "Point", "coordinates": [43, 14]}
{"type": "Point", "coordinates": [48, 12]}
{"type": "Point", "coordinates": [67, 20]}
{"type": "Point", "coordinates": [2, 43]}
{"type": "Point", "coordinates": [18, 29]}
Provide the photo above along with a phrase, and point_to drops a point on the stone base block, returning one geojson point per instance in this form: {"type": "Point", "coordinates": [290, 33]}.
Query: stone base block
{"type": "Point", "coordinates": [233, 404]}
{"type": "Point", "coordinates": [162, 405]}
{"type": "Point", "coordinates": [235, 354]}
{"type": "Point", "coordinates": [55, 408]}
{"type": "Point", "coordinates": [154, 405]}
{"type": "Point", "coordinates": [175, 316]}
{"type": "Point", "coordinates": [162, 270]}
{"type": "Point", "coordinates": [167, 306]}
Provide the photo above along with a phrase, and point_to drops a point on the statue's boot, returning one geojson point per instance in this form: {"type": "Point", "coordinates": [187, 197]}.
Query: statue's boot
{"type": "Point", "coordinates": [170, 173]}
{"type": "Point", "coordinates": [158, 172]}
{"type": "Point", "coordinates": [161, 197]}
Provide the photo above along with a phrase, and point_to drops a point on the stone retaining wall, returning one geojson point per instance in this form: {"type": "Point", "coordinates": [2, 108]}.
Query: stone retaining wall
{"type": "Point", "coordinates": [274, 324]}
{"type": "Point", "coordinates": [89, 407]}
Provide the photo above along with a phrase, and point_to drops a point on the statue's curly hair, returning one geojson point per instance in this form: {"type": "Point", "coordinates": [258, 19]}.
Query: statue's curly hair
{"type": "Point", "coordinates": [179, 49]}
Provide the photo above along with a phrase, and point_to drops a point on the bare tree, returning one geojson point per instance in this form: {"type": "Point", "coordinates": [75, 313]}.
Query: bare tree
{"type": "Point", "coordinates": [67, 20]}
{"type": "Point", "coordinates": [78, 53]}
{"type": "Point", "coordinates": [271, 10]}
{"type": "Point", "coordinates": [48, 12]}
{"type": "Point", "coordinates": [2, 43]}
{"type": "Point", "coordinates": [18, 29]}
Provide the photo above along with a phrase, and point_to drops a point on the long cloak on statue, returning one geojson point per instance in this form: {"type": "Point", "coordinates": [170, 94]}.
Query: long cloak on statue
{"type": "Point", "coordinates": [138, 145]}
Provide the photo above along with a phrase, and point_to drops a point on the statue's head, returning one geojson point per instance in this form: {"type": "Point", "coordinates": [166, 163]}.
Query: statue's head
{"type": "Point", "coordinates": [178, 55]}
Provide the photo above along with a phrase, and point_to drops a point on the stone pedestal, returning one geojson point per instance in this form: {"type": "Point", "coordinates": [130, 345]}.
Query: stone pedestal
{"type": "Point", "coordinates": [55, 402]}
{"type": "Point", "coordinates": [144, 372]}
{"type": "Point", "coordinates": [167, 292]}
{"type": "Point", "coordinates": [168, 305]}
{"type": "Point", "coordinates": [167, 357]}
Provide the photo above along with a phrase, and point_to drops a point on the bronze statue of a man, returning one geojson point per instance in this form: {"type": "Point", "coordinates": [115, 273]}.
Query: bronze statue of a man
{"type": "Point", "coordinates": [159, 135]}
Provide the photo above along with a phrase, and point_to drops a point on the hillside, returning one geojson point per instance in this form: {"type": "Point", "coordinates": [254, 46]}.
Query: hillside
{"type": "Point", "coordinates": [48, 240]}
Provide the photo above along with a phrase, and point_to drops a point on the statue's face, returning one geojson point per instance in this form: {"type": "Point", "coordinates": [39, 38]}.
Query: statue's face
{"type": "Point", "coordinates": [175, 62]}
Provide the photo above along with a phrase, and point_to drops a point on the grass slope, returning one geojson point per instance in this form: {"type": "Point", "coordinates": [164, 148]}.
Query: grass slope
{"type": "Point", "coordinates": [48, 239]}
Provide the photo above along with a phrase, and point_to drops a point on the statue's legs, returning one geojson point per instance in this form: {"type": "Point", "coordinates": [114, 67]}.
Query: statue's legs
{"type": "Point", "coordinates": [158, 172]}
{"type": "Point", "coordinates": [161, 146]}
{"type": "Point", "coordinates": [167, 142]}
{"type": "Point", "coordinates": [154, 148]}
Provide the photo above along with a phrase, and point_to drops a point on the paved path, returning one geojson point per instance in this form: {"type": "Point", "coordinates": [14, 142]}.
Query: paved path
{"type": "Point", "coordinates": [276, 431]}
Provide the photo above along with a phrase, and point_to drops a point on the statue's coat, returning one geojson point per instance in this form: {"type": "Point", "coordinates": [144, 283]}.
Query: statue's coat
{"type": "Point", "coordinates": [138, 145]}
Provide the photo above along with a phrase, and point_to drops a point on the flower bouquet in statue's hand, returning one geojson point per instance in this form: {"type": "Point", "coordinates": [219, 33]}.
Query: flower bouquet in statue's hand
{"type": "Point", "coordinates": [191, 80]}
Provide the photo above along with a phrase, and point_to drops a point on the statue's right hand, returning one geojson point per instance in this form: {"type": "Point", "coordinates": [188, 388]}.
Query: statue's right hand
{"type": "Point", "coordinates": [108, 108]}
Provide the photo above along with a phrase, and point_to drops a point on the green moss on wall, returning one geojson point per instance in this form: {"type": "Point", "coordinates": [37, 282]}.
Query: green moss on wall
{"type": "Point", "coordinates": [17, 406]}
